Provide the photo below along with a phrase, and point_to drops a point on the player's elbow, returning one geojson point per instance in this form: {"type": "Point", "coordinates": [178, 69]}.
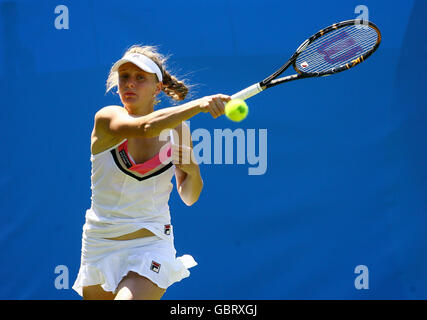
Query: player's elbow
{"type": "Point", "coordinates": [190, 202]}
{"type": "Point", "coordinates": [194, 196]}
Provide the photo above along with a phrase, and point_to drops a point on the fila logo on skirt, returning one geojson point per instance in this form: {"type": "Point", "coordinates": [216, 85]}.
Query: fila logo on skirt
{"type": "Point", "coordinates": [167, 229]}
{"type": "Point", "coordinates": [155, 266]}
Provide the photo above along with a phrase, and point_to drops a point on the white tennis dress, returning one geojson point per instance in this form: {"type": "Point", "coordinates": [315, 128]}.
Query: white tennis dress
{"type": "Point", "coordinates": [127, 197]}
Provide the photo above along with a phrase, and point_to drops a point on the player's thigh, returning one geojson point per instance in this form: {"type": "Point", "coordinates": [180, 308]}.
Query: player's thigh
{"type": "Point", "coordinates": [136, 287]}
{"type": "Point", "coordinates": [97, 293]}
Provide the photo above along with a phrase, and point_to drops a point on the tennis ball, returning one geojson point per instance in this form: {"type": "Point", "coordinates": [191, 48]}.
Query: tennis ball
{"type": "Point", "coordinates": [236, 110]}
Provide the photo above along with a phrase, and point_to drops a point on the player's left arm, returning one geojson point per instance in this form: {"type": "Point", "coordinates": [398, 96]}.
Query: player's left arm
{"type": "Point", "coordinates": [187, 172]}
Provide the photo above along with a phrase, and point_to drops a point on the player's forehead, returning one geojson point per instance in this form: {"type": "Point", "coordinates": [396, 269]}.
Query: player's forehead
{"type": "Point", "coordinates": [130, 67]}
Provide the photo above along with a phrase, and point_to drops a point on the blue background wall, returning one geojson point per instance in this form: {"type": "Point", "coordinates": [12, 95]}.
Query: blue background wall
{"type": "Point", "coordinates": [346, 182]}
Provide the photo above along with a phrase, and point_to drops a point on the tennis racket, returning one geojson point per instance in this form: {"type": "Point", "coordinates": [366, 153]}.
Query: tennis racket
{"type": "Point", "coordinates": [336, 48]}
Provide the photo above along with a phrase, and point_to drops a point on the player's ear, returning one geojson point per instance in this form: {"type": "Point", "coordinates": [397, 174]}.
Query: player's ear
{"type": "Point", "coordinates": [159, 87]}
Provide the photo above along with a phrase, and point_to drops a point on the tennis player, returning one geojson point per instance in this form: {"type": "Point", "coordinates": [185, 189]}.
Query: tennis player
{"type": "Point", "coordinates": [127, 242]}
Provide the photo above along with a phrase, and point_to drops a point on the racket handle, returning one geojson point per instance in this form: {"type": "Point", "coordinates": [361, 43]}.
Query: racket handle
{"type": "Point", "coordinates": [248, 92]}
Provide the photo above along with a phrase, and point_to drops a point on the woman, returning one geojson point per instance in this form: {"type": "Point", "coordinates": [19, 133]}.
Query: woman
{"type": "Point", "coordinates": [127, 243]}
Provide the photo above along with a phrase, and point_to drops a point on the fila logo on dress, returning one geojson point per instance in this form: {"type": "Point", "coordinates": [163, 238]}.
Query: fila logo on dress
{"type": "Point", "coordinates": [155, 266]}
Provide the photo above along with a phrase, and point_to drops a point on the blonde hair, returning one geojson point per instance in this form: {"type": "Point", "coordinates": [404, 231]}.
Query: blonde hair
{"type": "Point", "coordinates": [173, 87]}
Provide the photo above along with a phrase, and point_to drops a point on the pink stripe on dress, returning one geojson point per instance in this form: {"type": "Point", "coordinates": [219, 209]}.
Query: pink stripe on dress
{"type": "Point", "coordinates": [160, 159]}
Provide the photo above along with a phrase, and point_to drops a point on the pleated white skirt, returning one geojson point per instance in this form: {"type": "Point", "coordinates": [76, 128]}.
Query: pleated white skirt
{"type": "Point", "coordinates": [106, 262]}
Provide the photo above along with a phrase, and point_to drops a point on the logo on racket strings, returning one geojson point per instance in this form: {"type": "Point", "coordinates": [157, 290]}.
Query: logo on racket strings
{"type": "Point", "coordinates": [304, 64]}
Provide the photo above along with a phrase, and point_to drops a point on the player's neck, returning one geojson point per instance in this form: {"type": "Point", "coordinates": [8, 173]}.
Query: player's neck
{"type": "Point", "coordinates": [141, 110]}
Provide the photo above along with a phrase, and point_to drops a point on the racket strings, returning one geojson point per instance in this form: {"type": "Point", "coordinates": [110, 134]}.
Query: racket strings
{"type": "Point", "coordinates": [341, 47]}
{"type": "Point", "coordinates": [337, 53]}
{"type": "Point", "coordinates": [337, 48]}
{"type": "Point", "coordinates": [345, 56]}
{"type": "Point", "coordinates": [350, 34]}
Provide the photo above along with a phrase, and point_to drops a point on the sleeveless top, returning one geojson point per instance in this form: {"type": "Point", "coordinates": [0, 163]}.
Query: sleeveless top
{"type": "Point", "coordinates": [127, 196]}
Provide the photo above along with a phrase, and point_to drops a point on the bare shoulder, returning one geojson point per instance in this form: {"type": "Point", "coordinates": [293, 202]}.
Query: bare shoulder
{"type": "Point", "coordinates": [101, 139]}
{"type": "Point", "coordinates": [108, 112]}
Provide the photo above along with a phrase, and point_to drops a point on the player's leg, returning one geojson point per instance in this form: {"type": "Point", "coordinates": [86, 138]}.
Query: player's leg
{"type": "Point", "coordinates": [136, 287]}
{"type": "Point", "coordinates": [97, 293]}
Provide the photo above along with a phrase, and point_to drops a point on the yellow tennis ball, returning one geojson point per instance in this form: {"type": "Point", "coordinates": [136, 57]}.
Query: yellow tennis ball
{"type": "Point", "coordinates": [236, 110]}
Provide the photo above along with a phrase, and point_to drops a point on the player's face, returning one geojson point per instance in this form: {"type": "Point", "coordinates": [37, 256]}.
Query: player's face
{"type": "Point", "coordinates": [136, 87]}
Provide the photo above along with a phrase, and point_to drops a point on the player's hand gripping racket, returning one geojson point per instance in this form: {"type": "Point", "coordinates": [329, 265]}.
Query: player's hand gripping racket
{"type": "Point", "coordinates": [331, 50]}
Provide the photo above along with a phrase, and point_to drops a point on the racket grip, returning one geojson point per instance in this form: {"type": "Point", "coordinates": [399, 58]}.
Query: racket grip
{"type": "Point", "coordinates": [248, 92]}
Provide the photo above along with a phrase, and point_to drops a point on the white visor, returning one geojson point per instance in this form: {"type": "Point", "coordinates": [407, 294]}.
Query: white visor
{"type": "Point", "coordinates": [140, 61]}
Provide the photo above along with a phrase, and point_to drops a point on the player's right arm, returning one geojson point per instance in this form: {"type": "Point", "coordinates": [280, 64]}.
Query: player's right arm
{"type": "Point", "coordinates": [115, 120]}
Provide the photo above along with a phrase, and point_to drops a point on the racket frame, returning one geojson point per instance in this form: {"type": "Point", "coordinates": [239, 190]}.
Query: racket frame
{"type": "Point", "coordinates": [272, 80]}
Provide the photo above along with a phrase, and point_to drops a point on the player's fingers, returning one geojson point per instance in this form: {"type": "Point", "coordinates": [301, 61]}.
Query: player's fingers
{"type": "Point", "coordinates": [212, 110]}
{"type": "Point", "coordinates": [220, 106]}
{"type": "Point", "coordinates": [175, 148]}
{"type": "Point", "coordinates": [181, 154]}
{"type": "Point", "coordinates": [223, 97]}
{"type": "Point", "coordinates": [184, 159]}
{"type": "Point", "coordinates": [210, 104]}
{"type": "Point", "coordinates": [177, 156]}
{"type": "Point", "coordinates": [180, 148]}
{"type": "Point", "coordinates": [175, 152]}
